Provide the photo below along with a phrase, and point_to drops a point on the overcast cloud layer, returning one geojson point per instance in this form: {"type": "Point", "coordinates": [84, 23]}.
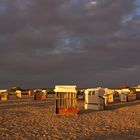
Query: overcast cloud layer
{"type": "Point", "coordinates": [84, 42]}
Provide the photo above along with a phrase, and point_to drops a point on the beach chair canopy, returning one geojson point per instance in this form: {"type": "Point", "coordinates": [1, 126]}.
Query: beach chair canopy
{"type": "Point", "coordinates": [67, 88]}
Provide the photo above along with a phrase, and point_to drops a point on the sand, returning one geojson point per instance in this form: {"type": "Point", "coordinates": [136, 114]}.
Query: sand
{"type": "Point", "coordinates": [35, 120]}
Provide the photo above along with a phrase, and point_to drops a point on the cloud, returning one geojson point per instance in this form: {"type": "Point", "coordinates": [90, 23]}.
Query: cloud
{"type": "Point", "coordinates": [83, 42]}
{"type": "Point", "coordinates": [132, 17]}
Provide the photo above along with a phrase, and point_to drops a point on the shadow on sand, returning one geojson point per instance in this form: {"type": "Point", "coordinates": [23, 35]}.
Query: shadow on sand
{"type": "Point", "coordinates": [113, 106]}
{"type": "Point", "coordinates": [83, 111]}
{"type": "Point", "coordinates": [113, 136]}
{"type": "Point", "coordinates": [122, 104]}
{"type": "Point", "coordinates": [26, 103]}
{"type": "Point", "coordinates": [30, 103]}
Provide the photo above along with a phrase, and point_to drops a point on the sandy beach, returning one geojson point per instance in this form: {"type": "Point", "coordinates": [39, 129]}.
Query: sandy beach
{"type": "Point", "coordinates": [25, 119]}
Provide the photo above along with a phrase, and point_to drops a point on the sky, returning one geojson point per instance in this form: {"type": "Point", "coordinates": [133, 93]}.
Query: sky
{"type": "Point", "coordinates": [87, 43]}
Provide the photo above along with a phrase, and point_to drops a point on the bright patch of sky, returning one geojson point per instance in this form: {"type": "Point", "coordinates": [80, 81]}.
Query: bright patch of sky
{"type": "Point", "coordinates": [68, 43]}
{"type": "Point", "coordinates": [78, 3]}
{"type": "Point", "coordinates": [65, 43]}
{"type": "Point", "coordinates": [135, 13]}
{"type": "Point", "coordinates": [91, 4]}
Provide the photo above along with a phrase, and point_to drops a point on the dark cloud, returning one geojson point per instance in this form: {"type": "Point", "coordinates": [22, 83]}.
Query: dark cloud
{"type": "Point", "coordinates": [83, 42]}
